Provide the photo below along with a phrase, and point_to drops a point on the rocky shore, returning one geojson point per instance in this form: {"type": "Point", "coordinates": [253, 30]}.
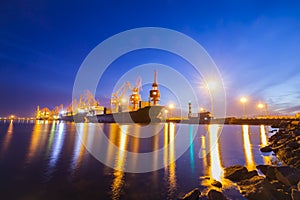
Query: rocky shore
{"type": "Point", "coordinates": [280, 182]}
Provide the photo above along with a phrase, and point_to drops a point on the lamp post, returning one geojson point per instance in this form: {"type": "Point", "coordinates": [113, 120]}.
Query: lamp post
{"type": "Point", "coordinates": [261, 106]}
{"type": "Point", "coordinates": [244, 100]}
{"type": "Point", "coordinates": [171, 107]}
{"type": "Point", "coordinates": [166, 113]}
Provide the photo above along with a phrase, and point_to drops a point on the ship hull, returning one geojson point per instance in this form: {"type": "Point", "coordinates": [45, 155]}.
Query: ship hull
{"type": "Point", "coordinates": [79, 117]}
{"type": "Point", "coordinates": [146, 115]}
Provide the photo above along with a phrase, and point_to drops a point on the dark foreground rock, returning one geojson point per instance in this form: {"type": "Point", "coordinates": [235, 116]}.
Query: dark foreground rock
{"type": "Point", "coordinates": [215, 195]}
{"type": "Point", "coordinates": [192, 195]}
{"type": "Point", "coordinates": [238, 173]}
{"type": "Point", "coordinates": [266, 149]}
{"type": "Point", "coordinates": [217, 184]}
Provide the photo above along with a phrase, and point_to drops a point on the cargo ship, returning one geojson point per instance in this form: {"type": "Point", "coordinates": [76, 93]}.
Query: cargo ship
{"type": "Point", "coordinates": [145, 115]}
{"type": "Point", "coordinates": [140, 112]}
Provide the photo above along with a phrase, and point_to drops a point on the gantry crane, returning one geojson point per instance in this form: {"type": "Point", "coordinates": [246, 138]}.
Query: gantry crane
{"type": "Point", "coordinates": [118, 97]}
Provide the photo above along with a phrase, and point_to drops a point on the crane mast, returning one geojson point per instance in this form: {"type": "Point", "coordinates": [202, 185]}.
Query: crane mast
{"type": "Point", "coordinates": [155, 93]}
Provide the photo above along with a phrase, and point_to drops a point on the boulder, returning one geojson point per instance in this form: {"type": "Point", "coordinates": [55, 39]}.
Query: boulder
{"type": "Point", "coordinates": [260, 188]}
{"type": "Point", "coordinates": [293, 144]}
{"type": "Point", "coordinates": [263, 168]}
{"type": "Point", "coordinates": [295, 195]}
{"type": "Point", "coordinates": [216, 184]}
{"type": "Point", "coordinates": [192, 195]}
{"type": "Point", "coordinates": [235, 172]}
{"type": "Point", "coordinates": [249, 174]}
{"type": "Point", "coordinates": [271, 173]}
{"type": "Point", "coordinates": [266, 149]}
{"type": "Point", "coordinates": [215, 195]}
{"type": "Point", "coordinates": [287, 175]}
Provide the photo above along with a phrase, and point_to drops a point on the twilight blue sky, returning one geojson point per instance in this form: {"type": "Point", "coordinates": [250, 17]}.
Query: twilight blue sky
{"type": "Point", "coordinates": [255, 45]}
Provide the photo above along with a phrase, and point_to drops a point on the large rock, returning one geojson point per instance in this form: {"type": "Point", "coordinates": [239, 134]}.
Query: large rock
{"type": "Point", "coordinates": [235, 172]}
{"type": "Point", "coordinates": [215, 195]}
{"type": "Point", "coordinates": [249, 174]}
{"type": "Point", "coordinates": [216, 184]}
{"type": "Point", "coordinates": [192, 195]}
{"type": "Point", "coordinates": [260, 188]}
{"type": "Point", "coordinates": [295, 195]}
{"type": "Point", "coordinates": [266, 149]}
{"type": "Point", "coordinates": [287, 175]}
{"type": "Point", "coordinates": [238, 173]}
{"type": "Point", "coordinates": [263, 168]}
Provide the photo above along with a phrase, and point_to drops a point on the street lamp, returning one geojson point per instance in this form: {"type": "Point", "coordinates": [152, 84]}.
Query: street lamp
{"type": "Point", "coordinates": [166, 113]}
{"type": "Point", "coordinates": [261, 106]}
{"type": "Point", "coordinates": [171, 107]}
{"type": "Point", "coordinates": [244, 100]}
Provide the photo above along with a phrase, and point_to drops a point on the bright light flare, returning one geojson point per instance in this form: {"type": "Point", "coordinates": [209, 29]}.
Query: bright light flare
{"type": "Point", "coordinates": [243, 100]}
{"type": "Point", "coordinates": [171, 106]}
{"type": "Point", "coordinates": [260, 105]}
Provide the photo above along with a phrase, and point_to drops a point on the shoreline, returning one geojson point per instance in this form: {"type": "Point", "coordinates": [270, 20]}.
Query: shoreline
{"type": "Point", "coordinates": [277, 181]}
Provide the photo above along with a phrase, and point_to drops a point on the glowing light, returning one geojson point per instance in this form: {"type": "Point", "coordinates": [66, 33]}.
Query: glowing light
{"type": "Point", "coordinates": [119, 165]}
{"type": "Point", "coordinates": [58, 142]}
{"type": "Point", "coordinates": [192, 159]}
{"type": "Point", "coordinates": [264, 142]}
{"type": "Point", "coordinates": [211, 85]}
{"type": "Point", "coordinates": [166, 142]}
{"type": "Point", "coordinates": [123, 100]}
{"type": "Point", "coordinates": [171, 106]}
{"type": "Point", "coordinates": [79, 148]}
{"type": "Point", "coordinates": [243, 100]}
{"type": "Point", "coordinates": [216, 169]}
{"type": "Point", "coordinates": [7, 138]}
{"type": "Point", "coordinates": [172, 166]}
{"type": "Point", "coordinates": [260, 105]}
{"type": "Point", "coordinates": [250, 164]}
{"type": "Point", "coordinates": [204, 153]}
{"type": "Point", "coordinates": [34, 140]}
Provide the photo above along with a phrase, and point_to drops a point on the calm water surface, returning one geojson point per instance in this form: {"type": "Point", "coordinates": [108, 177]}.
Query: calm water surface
{"type": "Point", "coordinates": [49, 160]}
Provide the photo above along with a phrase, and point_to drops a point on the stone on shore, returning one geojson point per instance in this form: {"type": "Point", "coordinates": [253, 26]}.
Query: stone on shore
{"type": "Point", "coordinates": [295, 195]}
{"type": "Point", "coordinates": [266, 149]}
{"type": "Point", "coordinates": [216, 184]}
{"type": "Point", "coordinates": [268, 171]}
{"type": "Point", "coordinates": [235, 172]}
{"type": "Point", "coordinates": [192, 195]}
{"type": "Point", "coordinates": [260, 188]}
{"type": "Point", "coordinates": [238, 173]}
{"type": "Point", "coordinates": [215, 195]}
{"type": "Point", "coordinates": [287, 175]}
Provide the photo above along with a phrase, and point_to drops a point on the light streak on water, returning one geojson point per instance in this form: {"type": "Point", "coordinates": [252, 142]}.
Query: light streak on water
{"type": "Point", "coordinates": [250, 164]}
{"type": "Point", "coordinates": [216, 169]}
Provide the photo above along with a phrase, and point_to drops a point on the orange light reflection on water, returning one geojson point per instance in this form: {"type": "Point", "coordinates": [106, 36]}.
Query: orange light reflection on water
{"type": "Point", "coordinates": [172, 154]}
{"type": "Point", "coordinates": [119, 163]}
{"type": "Point", "coordinates": [216, 169]}
{"type": "Point", "coordinates": [250, 163]}
{"type": "Point", "coordinates": [7, 138]}
{"type": "Point", "coordinates": [264, 142]}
